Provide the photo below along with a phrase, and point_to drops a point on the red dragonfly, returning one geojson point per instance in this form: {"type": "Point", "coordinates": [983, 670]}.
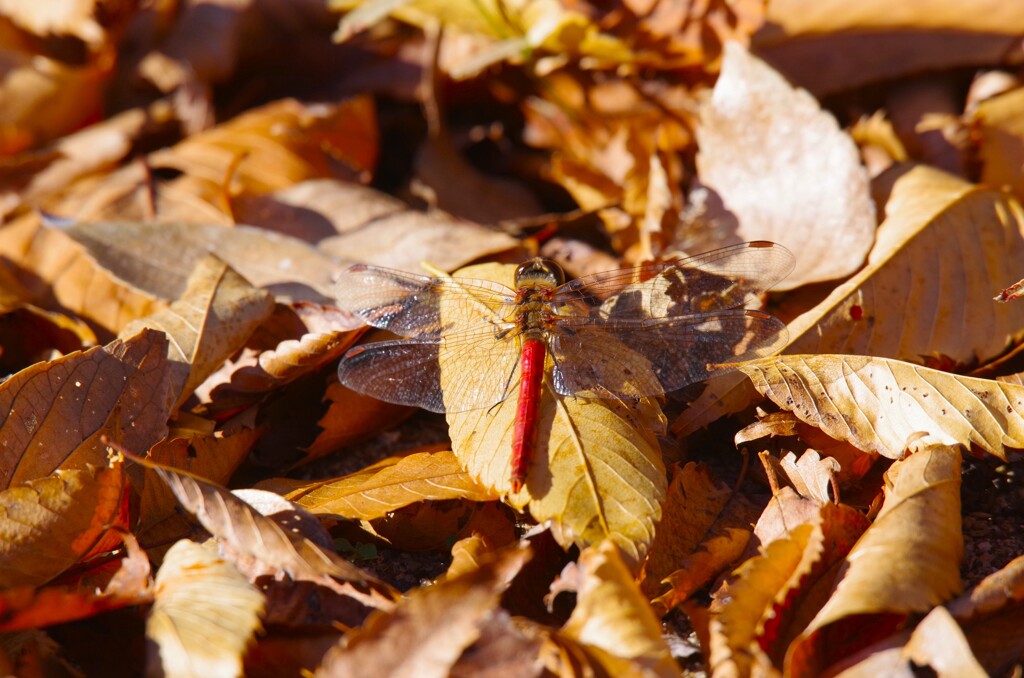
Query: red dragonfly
{"type": "Point", "coordinates": [641, 331]}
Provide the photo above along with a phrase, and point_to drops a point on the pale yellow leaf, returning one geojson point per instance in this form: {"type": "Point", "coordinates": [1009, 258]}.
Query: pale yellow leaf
{"type": "Point", "coordinates": [204, 615]}
{"type": "Point", "coordinates": [877, 405]}
{"type": "Point", "coordinates": [613, 617]}
{"type": "Point", "coordinates": [784, 170]}
{"type": "Point", "coordinates": [389, 485]}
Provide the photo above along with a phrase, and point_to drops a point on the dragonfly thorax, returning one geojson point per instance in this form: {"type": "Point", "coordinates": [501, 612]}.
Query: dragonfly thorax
{"type": "Point", "coordinates": [539, 272]}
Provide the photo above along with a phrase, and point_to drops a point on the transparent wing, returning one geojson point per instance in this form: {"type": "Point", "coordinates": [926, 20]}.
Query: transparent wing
{"type": "Point", "coordinates": [410, 305]}
{"type": "Point", "coordinates": [721, 279]}
{"type": "Point", "coordinates": [476, 370]}
{"type": "Point", "coordinates": [657, 355]}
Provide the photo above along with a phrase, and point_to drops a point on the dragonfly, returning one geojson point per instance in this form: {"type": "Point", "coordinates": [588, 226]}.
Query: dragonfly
{"type": "Point", "coordinates": [468, 344]}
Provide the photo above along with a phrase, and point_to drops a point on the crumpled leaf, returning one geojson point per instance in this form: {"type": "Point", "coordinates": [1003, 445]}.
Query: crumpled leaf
{"type": "Point", "coordinates": [612, 618]}
{"type": "Point", "coordinates": [915, 545]}
{"type": "Point", "coordinates": [214, 456]}
{"type": "Point", "coordinates": [597, 471]}
{"type": "Point", "coordinates": [49, 524]}
{"type": "Point", "coordinates": [204, 614]}
{"type": "Point", "coordinates": [878, 404]}
{"type": "Point", "coordinates": [997, 122]}
{"type": "Point", "coordinates": [783, 168]}
{"type": "Point", "coordinates": [389, 485]}
{"type": "Point", "coordinates": [58, 412]}
{"type": "Point", "coordinates": [213, 318]}
{"type": "Point", "coordinates": [433, 626]}
{"type": "Point", "coordinates": [27, 607]}
{"type": "Point", "coordinates": [770, 598]}
{"type": "Point", "coordinates": [350, 418]}
{"type": "Point", "coordinates": [259, 545]}
{"type": "Point", "coordinates": [703, 529]}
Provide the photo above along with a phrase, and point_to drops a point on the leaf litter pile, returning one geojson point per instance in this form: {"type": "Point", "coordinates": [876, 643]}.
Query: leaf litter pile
{"type": "Point", "coordinates": [187, 489]}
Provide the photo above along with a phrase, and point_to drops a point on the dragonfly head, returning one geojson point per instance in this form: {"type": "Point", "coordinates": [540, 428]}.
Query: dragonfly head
{"type": "Point", "coordinates": [539, 272]}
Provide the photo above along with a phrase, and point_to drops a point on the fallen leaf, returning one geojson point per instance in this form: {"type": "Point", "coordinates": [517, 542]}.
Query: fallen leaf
{"type": "Point", "coordinates": [1000, 140]}
{"type": "Point", "coordinates": [52, 266]}
{"type": "Point", "coordinates": [205, 613]}
{"type": "Point", "coordinates": [612, 617]}
{"type": "Point", "coordinates": [916, 545]}
{"type": "Point", "coordinates": [938, 642]}
{"type": "Point", "coordinates": [27, 607]}
{"type": "Point", "coordinates": [433, 625]}
{"type": "Point", "coordinates": [258, 545]}
{"type": "Point", "coordinates": [879, 42]}
{"type": "Point", "coordinates": [784, 170]}
{"type": "Point", "coordinates": [988, 614]}
{"type": "Point", "coordinates": [389, 485]}
{"type": "Point", "coordinates": [158, 257]}
{"type": "Point", "coordinates": [877, 405]}
{"type": "Point", "coordinates": [51, 523]}
{"type": "Point", "coordinates": [213, 318]}
{"type": "Point", "coordinates": [703, 529]}
{"type": "Point", "coordinates": [59, 412]}
{"type": "Point", "coordinates": [351, 418]}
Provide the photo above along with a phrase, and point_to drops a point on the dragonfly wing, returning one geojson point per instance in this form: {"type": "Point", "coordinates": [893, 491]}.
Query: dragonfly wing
{"type": "Point", "coordinates": [459, 373]}
{"type": "Point", "coordinates": [658, 355]}
{"type": "Point", "coordinates": [410, 305]}
{"type": "Point", "coordinates": [721, 279]}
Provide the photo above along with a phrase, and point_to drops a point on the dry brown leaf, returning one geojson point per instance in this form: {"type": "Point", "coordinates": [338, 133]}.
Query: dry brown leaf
{"type": "Point", "coordinates": [262, 150]}
{"type": "Point", "coordinates": [389, 485]}
{"type": "Point", "coordinates": [404, 240]}
{"type": "Point", "coordinates": [258, 545]}
{"type": "Point", "coordinates": [59, 412]}
{"type": "Point", "coordinates": [810, 475]}
{"type": "Point", "coordinates": [915, 545]}
{"type": "Point", "coordinates": [703, 529]}
{"type": "Point", "coordinates": [761, 586]}
{"type": "Point", "coordinates": [990, 614]}
{"type": "Point", "coordinates": [432, 627]}
{"type": "Point", "coordinates": [51, 264]}
{"type": "Point", "coordinates": [213, 318]}
{"type": "Point", "coordinates": [213, 456]}
{"type": "Point", "coordinates": [75, 155]}
{"type": "Point", "coordinates": [158, 257]}
{"type": "Point", "coordinates": [784, 171]}
{"type": "Point", "coordinates": [45, 97]}
{"type": "Point", "coordinates": [49, 524]}
{"type": "Point", "coordinates": [1000, 139]}
{"type": "Point", "coordinates": [877, 405]}
{"type": "Point", "coordinates": [350, 418]}
{"type": "Point", "coordinates": [204, 614]}
{"type": "Point", "coordinates": [29, 607]}
{"type": "Point", "coordinates": [879, 41]}
{"type": "Point", "coordinates": [613, 620]}
{"type": "Point", "coordinates": [939, 642]}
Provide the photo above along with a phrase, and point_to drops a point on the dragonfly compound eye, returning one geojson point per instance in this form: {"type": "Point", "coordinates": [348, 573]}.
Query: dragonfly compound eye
{"type": "Point", "coordinates": [539, 273]}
